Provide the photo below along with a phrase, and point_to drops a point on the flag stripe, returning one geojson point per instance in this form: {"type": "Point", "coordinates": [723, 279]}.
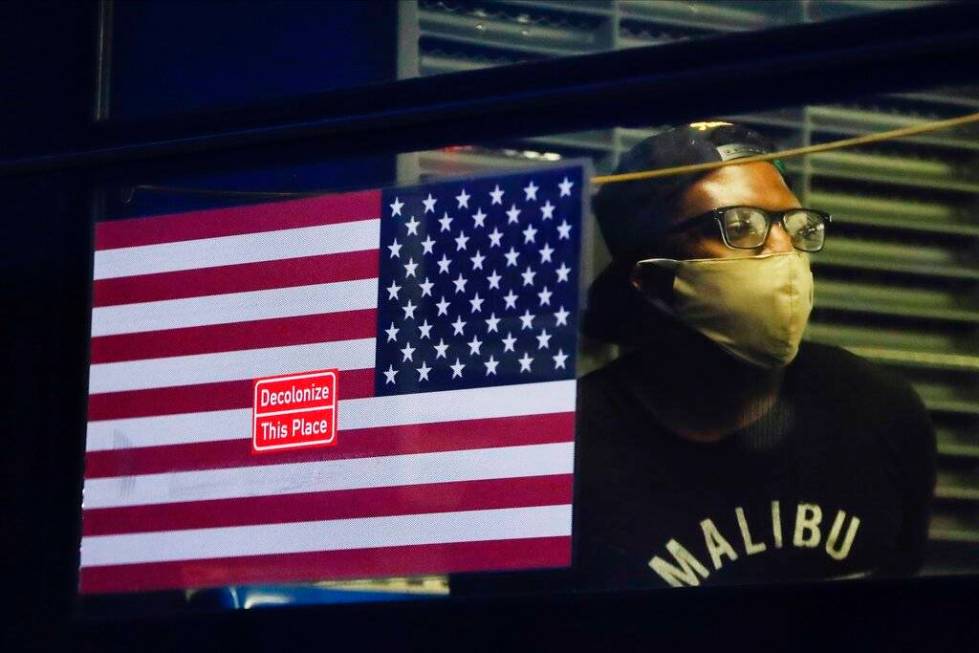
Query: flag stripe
{"type": "Point", "coordinates": [329, 535]}
{"type": "Point", "coordinates": [235, 307]}
{"type": "Point", "coordinates": [525, 553]}
{"type": "Point", "coordinates": [213, 223]}
{"type": "Point", "coordinates": [179, 427]}
{"type": "Point", "coordinates": [355, 443]}
{"type": "Point", "coordinates": [344, 504]}
{"type": "Point", "coordinates": [229, 366]}
{"type": "Point", "coordinates": [285, 273]}
{"type": "Point", "coordinates": [323, 476]}
{"type": "Point", "coordinates": [278, 332]}
{"type": "Point", "coordinates": [233, 250]}
{"type": "Point", "coordinates": [203, 400]}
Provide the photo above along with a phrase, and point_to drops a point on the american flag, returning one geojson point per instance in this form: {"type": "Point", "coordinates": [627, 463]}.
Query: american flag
{"type": "Point", "coordinates": [450, 310]}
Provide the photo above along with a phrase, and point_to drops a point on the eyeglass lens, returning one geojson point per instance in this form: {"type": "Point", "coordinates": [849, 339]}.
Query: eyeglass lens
{"type": "Point", "coordinates": [747, 227]}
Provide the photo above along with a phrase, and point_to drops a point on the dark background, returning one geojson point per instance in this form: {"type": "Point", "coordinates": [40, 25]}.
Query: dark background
{"type": "Point", "coordinates": [272, 95]}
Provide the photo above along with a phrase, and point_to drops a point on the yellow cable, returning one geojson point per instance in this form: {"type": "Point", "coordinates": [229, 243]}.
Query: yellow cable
{"type": "Point", "coordinates": [798, 151]}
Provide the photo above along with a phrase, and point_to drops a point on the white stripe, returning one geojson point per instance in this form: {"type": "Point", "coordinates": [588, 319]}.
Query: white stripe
{"type": "Point", "coordinates": [330, 475]}
{"type": "Point", "coordinates": [242, 248]}
{"type": "Point", "coordinates": [234, 307]}
{"type": "Point", "coordinates": [230, 366]}
{"type": "Point", "coordinates": [421, 408]}
{"type": "Point", "coordinates": [332, 535]}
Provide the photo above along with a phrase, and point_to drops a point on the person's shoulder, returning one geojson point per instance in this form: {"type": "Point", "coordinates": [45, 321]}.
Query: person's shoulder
{"type": "Point", "coordinates": [603, 394]}
{"type": "Point", "coordinates": [842, 369]}
{"type": "Point", "coordinates": [844, 378]}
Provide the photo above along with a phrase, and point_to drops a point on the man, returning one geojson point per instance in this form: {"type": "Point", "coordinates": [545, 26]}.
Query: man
{"type": "Point", "coordinates": [721, 449]}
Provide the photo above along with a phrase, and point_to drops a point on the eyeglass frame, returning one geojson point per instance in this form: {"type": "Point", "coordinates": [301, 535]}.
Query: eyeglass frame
{"type": "Point", "coordinates": [717, 216]}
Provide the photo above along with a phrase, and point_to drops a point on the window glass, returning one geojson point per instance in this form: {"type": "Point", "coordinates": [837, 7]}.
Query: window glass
{"type": "Point", "coordinates": [826, 473]}
{"type": "Point", "coordinates": [231, 55]}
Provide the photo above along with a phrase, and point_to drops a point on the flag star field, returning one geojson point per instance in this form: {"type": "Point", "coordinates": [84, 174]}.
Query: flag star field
{"type": "Point", "coordinates": [478, 282]}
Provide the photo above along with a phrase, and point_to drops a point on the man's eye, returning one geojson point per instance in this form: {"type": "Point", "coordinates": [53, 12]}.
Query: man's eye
{"type": "Point", "coordinates": [740, 227]}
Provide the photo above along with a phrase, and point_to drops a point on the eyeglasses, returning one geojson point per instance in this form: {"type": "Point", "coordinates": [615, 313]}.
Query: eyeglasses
{"type": "Point", "coordinates": [747, 227]}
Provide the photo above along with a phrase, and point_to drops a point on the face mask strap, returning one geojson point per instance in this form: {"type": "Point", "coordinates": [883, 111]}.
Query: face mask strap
{"type": "Point", "coordinates": [657, 278]}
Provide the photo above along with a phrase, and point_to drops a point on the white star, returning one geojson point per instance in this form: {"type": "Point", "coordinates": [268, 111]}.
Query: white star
{"type": "Point", "coordinates": [545, 253]}
{"type": "Point", "coordinates": [474, 346]}
{"type": "Point", "coordinates": [547, 211]}
{"type": "Point", "coordinates": [389, 374]}
{"type": "Point", "coordinates": [491, 366]}
{"type": "Point", "coordinates": [392, 332]}
{"type": "Point", "coordinates": [443, 307]}
{"type": "Point", "coordinates": [526, 320]}
{"type": "Point", "coordinates": [408, 351]}
{"type": "Point", "coordinates": [494, 280]}
{"type": "Point", "coordinates": [461, 240]}
{"type": "Point", "coordinates": [440, 349]}
{"type": "Point", "coordinates": [395, 248]}
{"type": "Point", "coordinates": [463, 199]}
{"type": "Point", "coordinates": [457, 369]}
{"type": "Point", "coordinates": [443, 264]}
{"type": "Point", "coordinates": [460, 283]}
{"type": "Point", "coordinates": [477, 260]}
{"type": "Point", "coordinates": [479, 218]}
{"type": "Point", "coordinates": [426, 287]}
{"type": "Point", "coordinates": [564, 231]}
{"type": "Point", "coordinates": [565, 187]}
{"type": "Point", "coordinates": [562, 317]}
{"type": "Point", "coordinates": [409, 310]}
{"type": "Point", "coordinates": [559, 359]}
{"type": "Point", "coordinates": [543, 339]}
{"type": "Point", "coordinates": [511, 257]}
{"type": "Point", "coordinates": [410, 267]}
{"type": "Point", "coordinates": [508, 342]}
{"type": "Point", "coordinates": [445, 222]}
{"type": "Point", "coordinates": [393, 290]}
{"type": "Point", "coordinates": [426, 329]}
{"type": "Point", "coordinates": [531, 190]}
{"type": "Point", "coordinates": [495, 236]}
{"type": "Point", "coordinates": [529, 234]}
{"type": "Point", "coordinates": [412, 226]}
{"type": "Point", "coordinates": [528, 276]}
{"type": "Point", "coordinates": [427, 245]}
{"type": "Point", "coordinates": [429, 203]}
{"type": "Point", "coordinates": [512, 214]}
{"type": "Point", "coordinates": [396, 207]}
{"type": "Point", "coordinates": [423, 372]}
{"type": "Point", "coordinates": [492, 322]}
{"type": "Point", "coordinates": [545, 297]}
{"type": "Point", "coordinates": [477, 303]}
{"type": "Point", "coordinates": [458, 326]}
{"type": "Point", "coordinates": [497, 195]}
{"type": "Point", "coordinates": [510, 299]}
{"type": "Point", "coordinates": [562, 272]}
{"type": "Point", "coordinates": [525, 362]}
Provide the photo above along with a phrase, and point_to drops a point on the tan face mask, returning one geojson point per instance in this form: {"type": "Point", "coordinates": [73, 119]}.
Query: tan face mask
{"type": "Point", "coordinates": [755, 308]}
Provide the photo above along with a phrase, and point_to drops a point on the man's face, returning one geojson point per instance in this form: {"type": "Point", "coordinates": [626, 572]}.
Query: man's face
{"type": "Point", "coordinates": [751, 184]}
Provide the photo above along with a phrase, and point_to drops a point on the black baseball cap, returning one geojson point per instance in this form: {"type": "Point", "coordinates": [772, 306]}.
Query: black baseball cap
{"type": "Point", "coordinates": [633, 215]}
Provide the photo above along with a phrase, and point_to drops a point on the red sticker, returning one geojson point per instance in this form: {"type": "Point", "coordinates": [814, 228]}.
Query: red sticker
{"type": "Point", "coordinates": [294, 411]}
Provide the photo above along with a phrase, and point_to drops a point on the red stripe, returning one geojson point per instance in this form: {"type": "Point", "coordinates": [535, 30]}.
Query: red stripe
{"type": "Point", "coordinates": [237, 336]}
{"type": "Point", "coordinates": [213, 223]}
{"type": "Point", "coordinates": [347, 504]}
{"type": "Point", "coordinates": [353, 443]}
{"type": "Point", "coordinates": [201, 397]}
{"type": "Point", "coordinates": [243, 277]}
{"type": "Point", "coordinates": [529, 553]}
